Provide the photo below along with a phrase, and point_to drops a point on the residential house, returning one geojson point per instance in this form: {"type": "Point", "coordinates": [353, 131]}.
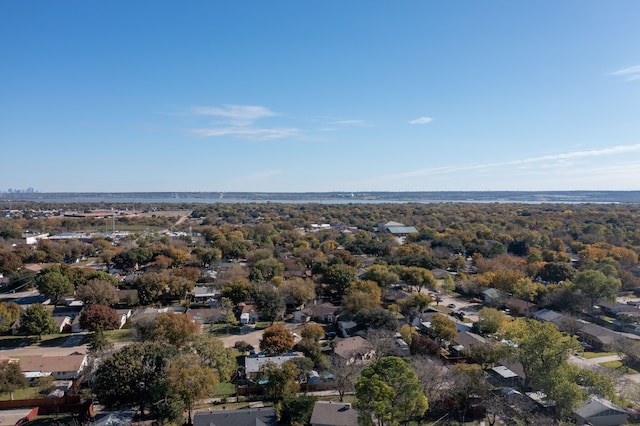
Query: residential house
{"type": "Point", "coordinates": [521, 307]}
{"type": "Point", "coordinates": [331, 413]}
{"type": "Point", "coordinates": [207, 315]}
{"type": "Point", "coordinates": [465, 340]}
{"type": "Point", "coordinates": [246, 417]}
{"type": "Point", "coordinates": [601, 412]}
{"type": "Point", "coordinates": [547, 315]}
{"type": "Point", "coordinates": [204, 294]}
{"type": "Point", "coordinates": [597, 336]}
{"type": "Point", "coordinates": [354, 350]}
{"type": "Point", "coordinates": [63, 323]}
{"type": "Point", "coordinates": [491, 296]}
{"type": "Point", "coordinates": [60, 367]}
{"type": "Point", "coordinates": [347, 327]}
{"type": "Point", "coordinates": [253, 363]}
{"type": "Point", "coordinates": [248, 314]}
{"type": "Point", "coordinates": [322, 312]}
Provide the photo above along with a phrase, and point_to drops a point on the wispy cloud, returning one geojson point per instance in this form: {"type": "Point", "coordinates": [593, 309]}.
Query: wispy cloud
{"type": "Point", "coordinates": [350, 122]}
{"type": "Point", "coordinates": [421, 120]}
{"type": "Point", "coordinates": [631, 73]}
{"type": "Point", "coordinates": [235, 112]}
{"type": "Point", "coordinates": [251, 133]}
{"type": "Point", "coordinates": [238, 121]}
{"type": "Point", "coordinates": [558, 159]}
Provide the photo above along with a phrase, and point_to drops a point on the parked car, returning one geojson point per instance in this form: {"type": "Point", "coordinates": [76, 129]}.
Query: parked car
{"type": "Point", "coordinates": [451, 306]}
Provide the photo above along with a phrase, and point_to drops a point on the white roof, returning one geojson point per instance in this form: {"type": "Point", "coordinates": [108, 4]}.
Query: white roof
{"type": "Point", "coordinates": [252, 364]}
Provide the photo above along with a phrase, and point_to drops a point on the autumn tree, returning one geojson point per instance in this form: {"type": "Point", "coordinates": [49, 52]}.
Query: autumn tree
{"type": "Point", "coordinates": [37, 320]}
{"type": "Point", "coordinates": [442, 327]}
{"type": "Point", "coordinates": [175, 329]}
{"type": "Point", "coordinates": [281, 380]}
{"type": "Point", "coordinates": [361, 295]}
{"type": "Point", "coordinates": [491, 320]}
{"type": "Point", "coordinates": [99, 317]}
{"type": "Point", "coordinates": [276, 340]}
{"type": "Point", "coordinates": [390, 390]}
{"type": "Point", "coordinates": [381, 275]}
{"type": "Point", "coordinates": [418, 277]}
{"type": "Point", "coordinates": [298, 291]}
{"type": "Point", "coordinates": [191, 380]}
{"type": "Point", "coordinates": [313, 332]}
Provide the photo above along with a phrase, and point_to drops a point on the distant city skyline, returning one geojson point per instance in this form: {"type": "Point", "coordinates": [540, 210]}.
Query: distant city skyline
{"type": "Point", "coordinates": [163, 96]}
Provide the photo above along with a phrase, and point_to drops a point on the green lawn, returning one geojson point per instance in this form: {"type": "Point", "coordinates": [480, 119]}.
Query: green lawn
{"type": "Point", "coordinates": [25, 393]}
{"type": "Point", "coordinates": [592, 355]}
{"type": "Point", "coordinates": [122, 335]}
{"type": "Point", "coordinates": [617, 365]}
{"type": "Point", "coordinates": [224, 389]}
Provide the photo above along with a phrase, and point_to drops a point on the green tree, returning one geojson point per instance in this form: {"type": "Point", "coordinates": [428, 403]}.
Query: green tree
{"type": "Point", "coordinates": [37, 320]}
{"type": "Point", "coordinates": [418, 277]}
{"type": "Point", "coordinates": [491, 320]}
{"type": "Point", "coordinates": [442, 327]}
{"type": "Point", "coordinates": [99, 317]}
{"type": "Point", "coordinates": [339, 276]}
{"type": "Point", "coordinates": [11, 377]}
{"type": "Point", "coordinates": [99, 292]}
{"type": "Point", "coordinates": [391, 391]}
{"type": "Point", "coordinates": [296, 410]}
{"type": "Point", "coordinates": [191, 380]}
{"type": "Point", "coordinates": [276, 340]}
{"type": "Point", "coordinates": [237, 291]}
{"type": "Point", "coordinates": [53, 284]}
{"type": "Point", "coordinates": [382, 275]}
{"type": "Point", "coordinates": [269, 302]}
{"type": "Point", "coordinates": [595, 285]}
{"type": "Point", "coordinates": [377, 318]}
{"type": "Point", "coordinates": [9, 313]}
{"type": "Point", "coordinates": [281, 381]}
{"type": "Point", "coordinates": [541, 348]}
{"type": "Point", "coordinates": [213, 354]}
{"type": "Point", "coordinates": [133, 375]}
{"type": "Point", "coordinates": [97, 341]}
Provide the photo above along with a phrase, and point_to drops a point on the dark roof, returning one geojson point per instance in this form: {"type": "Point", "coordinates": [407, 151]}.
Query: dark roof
{"type": "Point", "coordinates": [467, 339]}
{"type": "Point", "coordinates": [250, 417]}
{"type": "Point", "coordinates": [331, 413]}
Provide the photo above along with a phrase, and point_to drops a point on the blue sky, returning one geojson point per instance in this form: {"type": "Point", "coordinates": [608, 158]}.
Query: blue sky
{"type": "Point", "coordinates": [300, 96]}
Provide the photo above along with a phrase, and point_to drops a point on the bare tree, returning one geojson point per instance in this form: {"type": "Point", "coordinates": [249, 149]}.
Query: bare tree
{"type": "Point", "coordinates": [432, 374]}
{"type": "Point", "coordinates": [344, 375]}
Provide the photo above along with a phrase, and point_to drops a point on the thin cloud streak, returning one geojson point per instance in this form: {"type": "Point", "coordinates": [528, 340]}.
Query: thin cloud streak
{"type": "Point", "coordinates": [545, 158]}
{"type": "Point", "coordinates": [631, 73]}
{"type": "Point", "coordinates": [235, 112]}
{"type": "Point", "coordinates": [247, 132]}
{"type": "Point", "coordinates": [421, 120]}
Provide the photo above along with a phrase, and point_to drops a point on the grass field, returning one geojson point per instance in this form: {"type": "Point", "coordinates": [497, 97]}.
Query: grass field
{"type": "Point", "coordinates": [592, 355]}
{"type": "Point", "coordinates": [617, 365]}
